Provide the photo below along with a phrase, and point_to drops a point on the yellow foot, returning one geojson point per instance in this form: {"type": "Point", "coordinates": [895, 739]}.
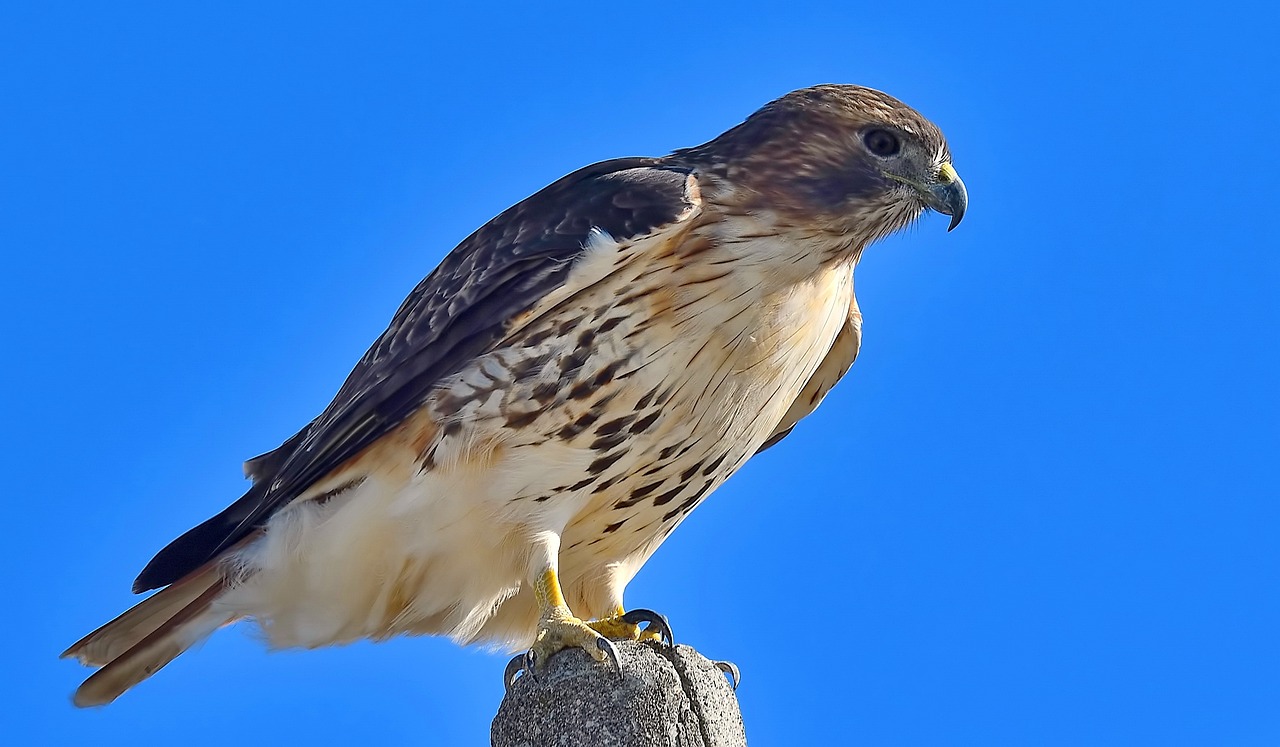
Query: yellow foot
{"type": "Point", "coordinates": [559, 631]}
{"type": "Point", "coordinates": [625, 626]}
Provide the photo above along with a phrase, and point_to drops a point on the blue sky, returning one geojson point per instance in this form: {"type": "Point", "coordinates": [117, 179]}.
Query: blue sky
{"type": "Point", "coordinates": [1042, 509]}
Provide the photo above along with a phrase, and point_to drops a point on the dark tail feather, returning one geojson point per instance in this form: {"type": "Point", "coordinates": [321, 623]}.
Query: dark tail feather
{"type": "Point", "coordinates": [138, 643]}
{"type": "Point", "coordinates": [123, 633]}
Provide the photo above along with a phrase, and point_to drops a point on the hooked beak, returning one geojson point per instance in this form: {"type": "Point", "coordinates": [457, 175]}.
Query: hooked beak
{"type": "Point", "coordinates": [947, 195]}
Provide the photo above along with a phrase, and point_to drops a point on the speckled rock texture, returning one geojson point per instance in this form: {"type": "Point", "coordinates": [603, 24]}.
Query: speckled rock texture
{"type": "Point", "coordinates": [667, 696]}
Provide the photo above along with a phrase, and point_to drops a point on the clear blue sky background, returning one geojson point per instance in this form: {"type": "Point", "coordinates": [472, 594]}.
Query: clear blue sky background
{"type": "Point", "coordinates": [1042, 509]}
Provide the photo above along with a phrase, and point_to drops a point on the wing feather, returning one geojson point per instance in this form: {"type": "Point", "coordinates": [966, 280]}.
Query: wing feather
{"type": "Point", "coordinates": [832, 368]}
{"type": "Point", "coordinates": [459, 311]}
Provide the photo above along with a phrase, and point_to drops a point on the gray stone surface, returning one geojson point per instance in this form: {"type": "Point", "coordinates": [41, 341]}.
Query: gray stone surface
{"type": "Point", "coordinates": [673, 697]}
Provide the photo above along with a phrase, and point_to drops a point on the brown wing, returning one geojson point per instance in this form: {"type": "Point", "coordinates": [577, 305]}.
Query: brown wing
{"type": "Point", "coordinates": [832, 368]}
{"type": "Point", "coordinates": [458, 312]}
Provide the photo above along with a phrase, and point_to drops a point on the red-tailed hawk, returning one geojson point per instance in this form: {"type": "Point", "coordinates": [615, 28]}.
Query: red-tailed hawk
{"type": "Point", "coordinates": [550, 402]}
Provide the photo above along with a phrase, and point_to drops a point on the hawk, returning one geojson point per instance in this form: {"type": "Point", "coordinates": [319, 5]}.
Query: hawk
{"type": "Point", "coordinates": [555, 397]}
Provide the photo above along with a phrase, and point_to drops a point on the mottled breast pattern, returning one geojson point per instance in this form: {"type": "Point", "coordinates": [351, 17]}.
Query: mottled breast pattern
{"type": "Point", "coordinates": [663, 374]}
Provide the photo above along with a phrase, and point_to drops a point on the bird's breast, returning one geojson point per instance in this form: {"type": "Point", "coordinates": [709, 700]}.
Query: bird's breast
{"type": "Point", "coordinates": [640, 390]}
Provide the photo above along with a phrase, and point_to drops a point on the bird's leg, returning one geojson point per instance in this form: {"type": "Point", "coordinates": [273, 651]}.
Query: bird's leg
{"type": "Point", "coordinates": [625, 626]}
{"type": "Point", "coordinates": [558, 628]}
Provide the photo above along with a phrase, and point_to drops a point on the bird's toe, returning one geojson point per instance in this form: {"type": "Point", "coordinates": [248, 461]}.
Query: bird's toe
{"type": "Point", "coordinates": [656, 625]}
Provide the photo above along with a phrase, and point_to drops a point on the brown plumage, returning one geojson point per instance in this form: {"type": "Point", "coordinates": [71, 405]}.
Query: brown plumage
{"type": "Point", "coordinates": [553, 399]}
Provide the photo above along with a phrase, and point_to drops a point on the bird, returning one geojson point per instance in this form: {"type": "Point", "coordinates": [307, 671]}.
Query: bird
{"type": "Point", "coordinates": [555, 397]}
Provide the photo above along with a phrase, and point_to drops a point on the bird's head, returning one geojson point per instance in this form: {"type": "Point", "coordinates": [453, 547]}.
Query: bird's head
{"type": "Point", "coordinates": [845, 159]}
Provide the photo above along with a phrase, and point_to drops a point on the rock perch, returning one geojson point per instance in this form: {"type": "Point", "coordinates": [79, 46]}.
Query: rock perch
{"type": "Point", "coordinates": [667, 696]}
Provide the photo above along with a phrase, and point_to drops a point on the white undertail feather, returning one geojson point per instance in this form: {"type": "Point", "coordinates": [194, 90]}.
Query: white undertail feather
{"type": "Point", "coordinates": [384, 559]}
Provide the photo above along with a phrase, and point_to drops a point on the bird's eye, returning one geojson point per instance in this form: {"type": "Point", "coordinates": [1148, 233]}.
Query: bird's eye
{"type": "Point", "coordinates": [882, 143]}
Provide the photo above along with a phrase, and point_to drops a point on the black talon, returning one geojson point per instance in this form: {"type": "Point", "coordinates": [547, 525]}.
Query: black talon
{"type": "Point", "coordinates": [513, 670]}
{"type": "Point", "coordinates": [605, 645]}
{"type": "Point", "coordinates": [730, 669]}
{"type": "Point", "coordinates": [530, 664]}
{"type": "Point", "coordinates": [659, 622]}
